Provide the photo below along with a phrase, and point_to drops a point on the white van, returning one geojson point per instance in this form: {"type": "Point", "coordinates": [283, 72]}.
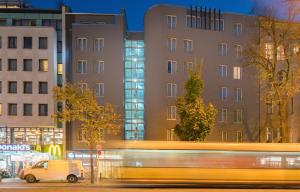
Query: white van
{"type": "Point", "coordinates": [70, 170]}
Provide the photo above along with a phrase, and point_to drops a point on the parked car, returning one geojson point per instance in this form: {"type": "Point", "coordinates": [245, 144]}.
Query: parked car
{"type": "Point", "coordinates": [70, 170]}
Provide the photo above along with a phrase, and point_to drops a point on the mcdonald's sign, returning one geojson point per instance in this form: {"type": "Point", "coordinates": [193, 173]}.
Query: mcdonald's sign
{"type": "Point", "coordinates": [55, 150]}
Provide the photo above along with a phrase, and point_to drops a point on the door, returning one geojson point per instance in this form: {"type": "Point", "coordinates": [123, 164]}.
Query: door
{"type": "Point", "coordinates": [40, 170]}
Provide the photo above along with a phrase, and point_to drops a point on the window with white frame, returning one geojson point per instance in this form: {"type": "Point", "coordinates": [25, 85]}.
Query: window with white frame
{"type": "Point", "coordinates": [238, 116]}
{"type": "Point", "coordinates": [223, 93]}
{"type": "Point", "coordinates": [269, 134]}
{"type": "Point", "coordinates": [171, 113]}
{"type": "Point", "coordinates": [238, 94]}
{"type": "Point", "coordinates": [191, 23]}
{"type": "Point", "coordinates": [239, 137]}
{"type": "Point", "coordinates": [99, 44]}
{"type": "Point", "coordinates": [172, 44]}
{"type": "Point", "coordinates": [223, 70]}
{"type": "Point", "coordinates": [100, 90]}
{"type": "Point", "coordinates": [220, 24]}
{"type": "Point", "coordinates": [100, 67]}
{"type": "Point", "coordinates": [224, 136]}
{"type": "Point", "coordinates": [83, 87]}
{"type": "Point", "coordinates": [82, 66]}
{"type": "Point", "coordinates": [238, 51]}
{"type": "Point", "coordinates": [222, 49]}
{"type": "Point", "coordinates": [171, 67]}
{"type": "Point", "coordinates": [171, 21]}
{"type": "Point", "coordinates": [188, 45]}
{"type": "Point", "coordinates": [223, 115]}
{"type": "Point", "coordinates": [237, 73]}
{"type": "Point", "coordinates": [171, 136]}
{"type": "Point", "coordinates": [81, 135]}
{"type": "Point", "coordinates": [280, 53]}
{"type": "Point", "coordinates": [269, 50]}
{"type": "Point", "coordinates": [237, 29]}
{"type": "Point", "coordinates": [81, 44]}
{"type": "Point", "coordinates": [171, 90]}
{"type": "Point", "coordinates": [188, 66]}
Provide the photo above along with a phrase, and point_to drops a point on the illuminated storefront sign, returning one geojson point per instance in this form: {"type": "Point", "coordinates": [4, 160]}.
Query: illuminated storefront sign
{"type": "Point", "coordinates": [54, 150]}
{"type": "Point", "coordinates": [14, 147]}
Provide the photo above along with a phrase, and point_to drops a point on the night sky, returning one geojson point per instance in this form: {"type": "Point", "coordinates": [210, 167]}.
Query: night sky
{"type": "Point", "coordinates": [135, 9]}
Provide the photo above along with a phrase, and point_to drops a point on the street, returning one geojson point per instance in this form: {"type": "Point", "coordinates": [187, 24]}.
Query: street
{"type": "Point", "coordinates": [17, 185]}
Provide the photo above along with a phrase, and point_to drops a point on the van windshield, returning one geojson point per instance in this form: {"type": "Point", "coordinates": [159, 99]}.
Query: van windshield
{"type": "Point", "coordinates": [42, 164]}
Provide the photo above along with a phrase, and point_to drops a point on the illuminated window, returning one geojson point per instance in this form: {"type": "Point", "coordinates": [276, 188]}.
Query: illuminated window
{"type": "Point", "coordinates": [223, 115]}
{"type": "Point", "coordinates": [222, 49]}
{"type": "Point", "coordinates": [239, 137]}
{"type": "Point", "coordinates": [188, 45]}
{"type": "Point", "coordinates": [0, 108]}
{"type": "Point", "coordinates": [100, 67]}
{"type": "Point", "coordinates": [237, 29]}
{"type": "Point", "coordinates": [171, 21]}
{"type": "Point", "coordinates": [171, 67]}
{"type": "Point", "coordinates": [223, 70]}
{"type": "Point", "coordinates": [81, 135]}
{"type": "Point", "coordinates": [171, 113]}
{"type": "Point", "coordinates": [223, 93]}
{"type": "Point", "coordinates": [43, 65]}
{"type": "Point", "coordinates": [81, 44]}
{"type": "Point", "coordinates": [99, 44]}
{"type": "Point", "coordinates": [100, 90]}
{"type": "Point", "coordinates": [238, 51]}
{"type": "Point", "coordinates": [82, 66]}
{"type": "Point", "coordinates": [280, 53]}
{"type": "Point", "coordinates": [59, 69]}
{"type": "Point", "coordinates": [239, 116]}
{"type": "Point", "coordinates": [171, 90]}
{"type": "Point", "coordinates": [237, 73]}
{"type": "Point", "coordinates": [268, 50]}
{"type": "Point", "coordinates": [171, 136]}
{"type": "Point", "coordinates": [224, 136]}
{"type": "Point", "coordinates": [238, 94]}
{"type": "Point", "coordinates": [296, 49]}
{"type": "Point", "coordinates": [269, 134]}
{"type": "Point", "coordinates": [172, 44]}
{"type": "Point", "coordinates": [83, 87]}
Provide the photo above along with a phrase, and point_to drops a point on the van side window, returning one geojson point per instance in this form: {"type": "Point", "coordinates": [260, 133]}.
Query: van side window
{"type": "Point", "coordinates": [43, 164]}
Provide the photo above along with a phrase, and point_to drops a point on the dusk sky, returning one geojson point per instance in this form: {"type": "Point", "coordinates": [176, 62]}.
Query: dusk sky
{"type": "Point", "coordinates": [135, 9]}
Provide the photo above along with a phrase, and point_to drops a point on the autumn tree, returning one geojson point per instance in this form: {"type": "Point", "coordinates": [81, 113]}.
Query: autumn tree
{"type": "Point", "coordinates": [276, 56]}
{"type": "Point", "coordinates": [82, 107]}
{"type": "Point", "coordinates": [196, 119]}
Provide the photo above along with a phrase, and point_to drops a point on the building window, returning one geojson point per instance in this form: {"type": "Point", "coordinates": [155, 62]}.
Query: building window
{"type": "Point", "coordinates": [223, 115]}
{"type": "Point", "coordinates": [223, 93]}
{"type": "Point", "coordinates": [171, 136]}
{"type": "Point", "coordinates": [83, 87]}
{"type": "Point", "coordinates": [0, 87]}
{"type": "Point", "coordinates": [100, 67]}
{"type": "Point", "coordinates": [238, 94]}
{"type": "Point", "coordinates": [82, 66]}
{"type": "Point", "coordinates": [0, 64]}
{"type": "Point", "coordinates": [224, 136]}
{"type": "Point", "coordinates": [222, 49]}
{"type": "Point", "coordinates": [172, 44]}
{"type": "Point", "coordinates": [238, 116]}
{"type": "Point", "coordinates": [27, 87]}
{"type": "Point", "coordinates": [192, 23]}
{"type": "Point", "coordinates": [100, 90]}
{"type": "Point", "coordinates": [171, 113]}
{"type": "Point", "coordinates": [237, 29]}
{"type": "Point", "coordinates": [239, 137]}
{"type": "Point", "coordinates": [237, 73]}
{"type": "Point", "coordinates": [1, 109]}
{"type": "Point", "coordinates": [81, 135]}
{"type": "Point", "coordinates": [269, 51]}
{"type": "Point", "coordinates": [269, 134]}
{"type": "Point", "coordinates": [171, 67]}
{"type": "Point", "coordinates": [99, 44]}
{"type": "Point", "coordinates": [171, 21]}
{"type": "Point", "coordinates": [43, 42]}
{"type": "Point", "coordinates": [12, 87]}
{"type": "Point", "coordinates": [187, 67]}
{"type": "Point", "coordinates": [27, 42]}
{"type": "Point", "coordinates": [43, 109]}
{"type": "Point", "coordinates": [0, 41]}
{"type": "Point", "coordinates": [81, 44]}
{"type": "Point", "coordinates": [12, 65]}
{"type": "Point", "coordinates": [188, 45]}
{"type": "Point", "coordinates": [43, 87]}
{"type": "Point", "coordinates": [220, 24]}
{"type": "Point", "coordinates": [12, 109]}
{"type": "Point", "coordinates": [171, 90]}
{"type": "Point", "coordinates": [27, 64]}
{"type": "Point", "coordinates": [223, 70]}
{"type": "Point", "coordinates": [59, 69]}
{"type": "Point", "coordinates": [280, 53]}
{"type": "Point", "coordinates": [238, 51]}
{"type": "Point", "coordinates": [12, 42]}
{"type": "Point", "coordinates": [269, 108]}
{"type": "Point", "coordinates": [43, 65]}
{"type": "Point", "coordinates": [27, 109]}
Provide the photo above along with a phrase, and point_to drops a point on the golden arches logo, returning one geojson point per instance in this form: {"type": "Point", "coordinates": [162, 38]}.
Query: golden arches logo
{"type": "Point", "coordinates": [54, 150]}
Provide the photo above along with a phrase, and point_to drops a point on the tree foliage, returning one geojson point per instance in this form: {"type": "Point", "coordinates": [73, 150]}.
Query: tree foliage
{"type": "Point", "coordinates": [196, 119]}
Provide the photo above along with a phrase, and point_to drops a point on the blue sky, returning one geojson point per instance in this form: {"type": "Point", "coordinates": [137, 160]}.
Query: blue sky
{"type": "Point", "coordinates": [135, 9]}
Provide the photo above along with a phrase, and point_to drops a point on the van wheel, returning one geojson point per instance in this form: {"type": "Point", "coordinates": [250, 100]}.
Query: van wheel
{"type": "Point", "coordinates": [30, 179]}
{"type": "Point", "coordinates": [72, 179]}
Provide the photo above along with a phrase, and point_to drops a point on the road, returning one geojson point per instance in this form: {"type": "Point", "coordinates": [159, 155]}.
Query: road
{"type": "Point", "coordinates": [21, 186]}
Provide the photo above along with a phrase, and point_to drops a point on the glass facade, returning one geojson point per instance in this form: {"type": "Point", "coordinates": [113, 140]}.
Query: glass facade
{"type": "Point", "coordinates": [134, 90]}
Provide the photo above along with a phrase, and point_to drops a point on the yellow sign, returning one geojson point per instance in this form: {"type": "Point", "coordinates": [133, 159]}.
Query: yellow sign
{"type": "Point", "coordinates": [54, 150]}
